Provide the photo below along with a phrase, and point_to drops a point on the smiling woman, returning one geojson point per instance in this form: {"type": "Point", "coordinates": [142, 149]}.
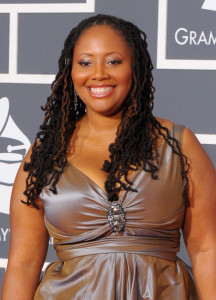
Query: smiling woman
{"type": "Point", "coordinates": [114, 184]}
{"type": "Point", "coordinates": [102, 76]}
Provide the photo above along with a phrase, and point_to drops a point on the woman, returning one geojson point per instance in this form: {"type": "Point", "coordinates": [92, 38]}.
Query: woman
{"type": "Point", "coordinates": [113, 183]}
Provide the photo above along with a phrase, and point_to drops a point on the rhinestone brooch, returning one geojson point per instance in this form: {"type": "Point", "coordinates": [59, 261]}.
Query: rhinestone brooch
{"type": "Point", "coordinates": [116, 216]}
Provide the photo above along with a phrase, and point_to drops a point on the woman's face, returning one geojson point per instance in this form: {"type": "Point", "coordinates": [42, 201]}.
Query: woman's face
{"type": "Point", "coordinates": [102, 69]}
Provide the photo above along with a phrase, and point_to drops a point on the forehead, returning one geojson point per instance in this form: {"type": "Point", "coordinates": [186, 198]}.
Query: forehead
{"type": "Point", "coordinates": [101, 36]}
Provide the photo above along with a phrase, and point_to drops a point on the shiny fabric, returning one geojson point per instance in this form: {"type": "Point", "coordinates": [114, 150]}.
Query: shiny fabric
{"type": "Point", "coordinates": [99, 264]}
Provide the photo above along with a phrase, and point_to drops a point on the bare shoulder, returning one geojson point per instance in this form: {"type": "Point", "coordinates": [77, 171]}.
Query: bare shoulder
{"type": "Point", "coordinates": [195, 152]}
{"type": "Point", "coordinates": [190, 139]}
{"type": "Point", "coordinates": [202, 174]}
{"type": "Point", "coordinates": [192, 148]}
{"type": "Point", "coordinates": [19, 188]}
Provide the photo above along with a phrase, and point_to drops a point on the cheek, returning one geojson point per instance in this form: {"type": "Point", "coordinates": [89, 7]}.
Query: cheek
{"type": "Point", "coordinates": [125, 75]}
{"type": "Point", "coordinates": [126, 78]}
{"type": "Point", "coordinates": [126, 83]}
{"type": "Point", "coordinates": [78, 78]}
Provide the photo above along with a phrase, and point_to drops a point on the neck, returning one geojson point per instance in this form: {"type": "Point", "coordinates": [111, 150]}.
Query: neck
{"type": "Point", "coordinates": [100, 123]}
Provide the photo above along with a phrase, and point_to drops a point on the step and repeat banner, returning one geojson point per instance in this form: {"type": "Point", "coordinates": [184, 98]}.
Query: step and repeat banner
{"type": "Point", "coordinates": [182, 43]}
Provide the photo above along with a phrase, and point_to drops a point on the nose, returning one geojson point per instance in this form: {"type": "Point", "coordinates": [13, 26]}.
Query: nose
{"type": "Point", "coordinates": [100, 72]}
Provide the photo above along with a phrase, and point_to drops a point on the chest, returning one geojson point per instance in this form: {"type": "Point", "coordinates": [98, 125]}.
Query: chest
{"type": "Point", "coordinates": [89, 158]}
{"type": "Point", "coordinates": [81, 204]}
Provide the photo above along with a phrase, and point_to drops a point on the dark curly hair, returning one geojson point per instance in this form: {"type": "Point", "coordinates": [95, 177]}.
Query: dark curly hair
{"type": "Point", "coordinates": [137, 136]}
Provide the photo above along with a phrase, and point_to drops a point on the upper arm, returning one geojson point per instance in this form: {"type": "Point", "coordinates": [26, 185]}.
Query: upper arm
{"type": "Point", "coordinates": [29, 237]}
{"type": "Point", "coordinates": [200, 221]}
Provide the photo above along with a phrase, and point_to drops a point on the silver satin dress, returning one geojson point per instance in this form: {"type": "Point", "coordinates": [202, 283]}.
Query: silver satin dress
{"type": "Point", "coordinates": [96, 263]}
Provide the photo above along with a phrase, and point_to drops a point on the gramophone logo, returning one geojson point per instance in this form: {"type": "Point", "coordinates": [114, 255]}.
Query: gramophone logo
{"type": "Point", "coordinates": [13, 147]}
{"type": "Point", "coordinates": [209, 4]}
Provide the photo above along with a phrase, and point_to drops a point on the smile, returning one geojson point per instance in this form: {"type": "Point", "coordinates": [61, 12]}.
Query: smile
{"type": "Point", "coordinates": [100, 92]}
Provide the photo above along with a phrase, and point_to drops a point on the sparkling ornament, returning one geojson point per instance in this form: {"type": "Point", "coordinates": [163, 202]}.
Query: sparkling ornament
{"type": "Point", "coordinates": [116, 216]}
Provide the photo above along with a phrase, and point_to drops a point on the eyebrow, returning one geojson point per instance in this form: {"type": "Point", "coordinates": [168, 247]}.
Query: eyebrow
{"type": "Point", "coordinates": [109, 53]}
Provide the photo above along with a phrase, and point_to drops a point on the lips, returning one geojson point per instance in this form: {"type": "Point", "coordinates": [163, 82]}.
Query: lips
{"type": "Point", "coordinates": [100, 91]}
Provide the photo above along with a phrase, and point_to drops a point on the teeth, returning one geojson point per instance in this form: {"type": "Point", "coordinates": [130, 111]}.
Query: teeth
{"type": "Point", "coordinates": [100, 90]}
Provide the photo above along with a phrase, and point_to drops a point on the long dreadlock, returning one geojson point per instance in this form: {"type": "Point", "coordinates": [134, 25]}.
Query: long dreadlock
{"type": "Point", "coordinates": [136, 142]}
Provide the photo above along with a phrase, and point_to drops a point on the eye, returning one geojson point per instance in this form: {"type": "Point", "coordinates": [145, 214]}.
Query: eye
{"type": "Point", "coordinates": [114, 62]}
{"type": "Point", "coordinates": [84, 63]}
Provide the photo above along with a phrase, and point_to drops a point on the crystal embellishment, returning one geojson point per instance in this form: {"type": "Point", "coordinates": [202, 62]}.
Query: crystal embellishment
{"type": "Point", "coordinates": [116, 216]}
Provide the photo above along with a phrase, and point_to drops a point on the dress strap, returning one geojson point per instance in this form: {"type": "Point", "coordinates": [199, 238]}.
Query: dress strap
{"type": "Point", "coordinates": [178, 131]}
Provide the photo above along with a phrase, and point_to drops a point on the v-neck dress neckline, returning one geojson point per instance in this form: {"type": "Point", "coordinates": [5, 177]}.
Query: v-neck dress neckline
{"type": "Point", "coordinates": [71, 165]}
{"type": "Point", "coordinates": [97, 186]}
